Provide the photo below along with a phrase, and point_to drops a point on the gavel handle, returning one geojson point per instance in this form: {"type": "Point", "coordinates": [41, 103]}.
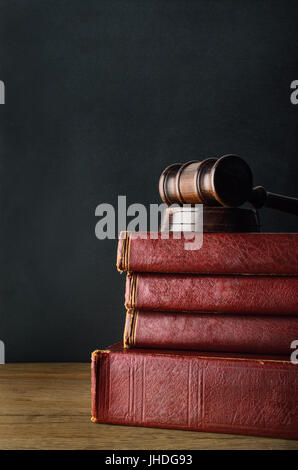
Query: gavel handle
{"type": "Point", "coordinates": [262, 198]}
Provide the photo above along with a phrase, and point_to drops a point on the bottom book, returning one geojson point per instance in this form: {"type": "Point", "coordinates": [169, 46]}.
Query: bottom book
{"type": "Point", "coordinates": [230, 393]}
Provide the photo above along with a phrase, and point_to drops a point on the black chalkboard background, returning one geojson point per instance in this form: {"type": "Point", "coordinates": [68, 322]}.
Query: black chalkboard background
{"type": "Point", "coordinates": [101, 95]}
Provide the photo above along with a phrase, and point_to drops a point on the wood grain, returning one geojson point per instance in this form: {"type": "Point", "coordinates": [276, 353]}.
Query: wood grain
{"type": "Point", "coordinates": [47, 406]}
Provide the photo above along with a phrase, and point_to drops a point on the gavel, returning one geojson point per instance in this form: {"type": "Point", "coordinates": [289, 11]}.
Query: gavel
{"type": "Point", "coordinates": [226, 181]}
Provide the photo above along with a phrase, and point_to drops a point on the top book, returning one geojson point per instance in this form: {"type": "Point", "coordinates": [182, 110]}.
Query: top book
{"type": "Point", "coordinates": [220, 253]}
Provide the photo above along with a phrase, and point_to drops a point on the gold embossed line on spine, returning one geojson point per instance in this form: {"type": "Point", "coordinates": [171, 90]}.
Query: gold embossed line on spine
{"type": "Point", "coordinates": [127, 252]}
{"type": "Point", "coordinates": [133, 290]}
{"type": "Point", "coordinates": [128, 329]}
{"type": "Point", "coordinates": [135, 322]}
{"type": "Point", "coordinates": [121, 255]}
{"type": "Point", "coordinates": [125, 262]}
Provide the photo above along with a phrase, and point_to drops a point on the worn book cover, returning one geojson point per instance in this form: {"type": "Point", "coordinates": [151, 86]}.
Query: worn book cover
{"type": "Point", "coordinates": [264, 334]}
{"type": "Point", "coordinates": [220, 253]}
{"type": "Point", "coordinates": [225, 393]}
{"type": "Point", "coordinates": [267, 295]}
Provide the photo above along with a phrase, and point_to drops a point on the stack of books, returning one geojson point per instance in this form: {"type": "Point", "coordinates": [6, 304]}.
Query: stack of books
{"type": "Point", "coordinates": [209, 338]}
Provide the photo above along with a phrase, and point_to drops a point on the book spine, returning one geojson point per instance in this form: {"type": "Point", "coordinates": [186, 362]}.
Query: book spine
{"type": "Point", "coordinates": [221, 253]}
{"type": "Point", "coordinates": [199, 393]}
{"type": "Point", "coordinates": [210, 332]}
{"type": "Point", "coordinates": [267, 295]}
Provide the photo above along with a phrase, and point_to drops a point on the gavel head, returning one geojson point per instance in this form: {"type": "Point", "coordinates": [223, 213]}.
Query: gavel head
{"type": "Point", "coordinates": [226, 181]}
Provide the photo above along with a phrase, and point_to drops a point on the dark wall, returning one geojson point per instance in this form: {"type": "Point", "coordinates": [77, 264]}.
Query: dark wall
{"type": "Point", "coordinates": [101, 95]}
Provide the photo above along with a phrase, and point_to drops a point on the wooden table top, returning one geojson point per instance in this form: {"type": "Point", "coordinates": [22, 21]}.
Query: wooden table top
{"type": "Point", "coordinates": [47, 406]}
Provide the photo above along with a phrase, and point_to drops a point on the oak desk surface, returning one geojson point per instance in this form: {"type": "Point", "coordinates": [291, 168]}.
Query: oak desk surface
{"type": "Point", "coordinates": [47, 406]}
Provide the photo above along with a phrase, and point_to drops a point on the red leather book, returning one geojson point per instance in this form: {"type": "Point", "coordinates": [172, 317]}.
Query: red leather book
{"type": "Point", "coordinates": [268, 295]}
{"type": "Point", "coordinates": [221, 253]}
{"type": "Point", "coordinates": [263, 334]}
{"type": "Point", "coordinates": [230, 393]}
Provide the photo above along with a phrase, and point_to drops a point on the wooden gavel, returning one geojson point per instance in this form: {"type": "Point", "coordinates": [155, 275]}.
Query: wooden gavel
{"type": "Point", "coordinates": [226, 181]}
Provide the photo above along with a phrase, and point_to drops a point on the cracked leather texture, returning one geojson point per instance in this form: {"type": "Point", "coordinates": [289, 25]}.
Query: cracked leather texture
{"type": "Point", "coordinates": [211, 332]}
{"type": "Point", "coordinates": [239, 394]}
{"type": "Point", "coordinates": [213, 294]}
{"type": "Point", "coordinates": [221, 253]}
